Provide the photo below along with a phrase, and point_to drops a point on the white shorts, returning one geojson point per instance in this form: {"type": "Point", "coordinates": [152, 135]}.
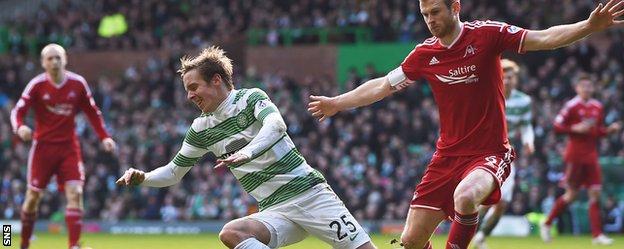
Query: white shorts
{"type": "Point", "coordinates": [318, 212]}
{"type": "Point", "coordinates": [508, 185]}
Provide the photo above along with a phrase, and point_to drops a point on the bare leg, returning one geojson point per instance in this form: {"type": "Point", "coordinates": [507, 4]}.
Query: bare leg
{"type": "Point", "coordinates": [419, 226]}
{"type": "Point", "coordinates": [240, 230]}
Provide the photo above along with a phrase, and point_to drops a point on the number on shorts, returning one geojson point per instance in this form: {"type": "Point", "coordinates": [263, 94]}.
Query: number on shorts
{"type": "Point", "coordinates": [491, 161]}
{"type": "Point", "coordinates": [338, 226]}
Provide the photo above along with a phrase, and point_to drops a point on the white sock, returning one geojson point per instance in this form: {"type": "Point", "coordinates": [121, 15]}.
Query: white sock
{"type": "Point", "coordinates": [251, 243]}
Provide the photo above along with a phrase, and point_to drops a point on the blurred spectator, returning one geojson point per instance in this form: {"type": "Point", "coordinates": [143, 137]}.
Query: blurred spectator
{"type": "Point", "coordinates": [613, 219]}
{"type": "Point", "coordinates": [372, 157]}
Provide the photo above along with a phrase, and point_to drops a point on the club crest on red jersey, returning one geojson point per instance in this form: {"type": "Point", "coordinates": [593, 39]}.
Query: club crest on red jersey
{"type": "Point", "coordinates": [470, 50]}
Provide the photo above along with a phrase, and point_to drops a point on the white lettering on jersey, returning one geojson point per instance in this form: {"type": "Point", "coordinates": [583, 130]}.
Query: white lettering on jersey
{"type": "Point", "coordinates": [60, 109]}
{"type": "Point", "coordinates": [463, 74]}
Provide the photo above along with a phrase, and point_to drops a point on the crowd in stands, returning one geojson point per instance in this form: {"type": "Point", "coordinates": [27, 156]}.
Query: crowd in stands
{"type": "Point", "coordinates": [372, 157]}
{"type": "Point", "coordinates": [191, 23]}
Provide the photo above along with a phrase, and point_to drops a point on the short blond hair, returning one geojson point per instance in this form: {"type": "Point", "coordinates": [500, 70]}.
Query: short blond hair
{"type": "Point", "coordinates": [209, 62]}
{"type": "Point", "coordinates": [508, 64]}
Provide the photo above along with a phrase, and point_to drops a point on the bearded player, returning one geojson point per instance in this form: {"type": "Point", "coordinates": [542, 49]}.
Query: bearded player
{"type": "Point", "coordinates": [461, 63]}
{"type": "Point", "coordinates": [582, 119]}
{"type": "Point", "coordinates": [518, 115]}
{"type": "Point", "coordinates": [56, 96]}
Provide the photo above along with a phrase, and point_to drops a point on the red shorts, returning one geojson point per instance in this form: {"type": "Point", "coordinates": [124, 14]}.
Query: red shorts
{"type": "Point", "coordinates": [444, 173]}
{"type": "Point", "coordinates": [582, 174]}
{"type": "Point", "coordinates": [60, 159]}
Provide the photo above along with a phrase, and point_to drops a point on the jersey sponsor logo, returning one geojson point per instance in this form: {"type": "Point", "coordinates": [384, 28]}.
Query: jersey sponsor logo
{"type": "Point", "coordinates": [233, 147]}
{"type": "Point", "coordinates": [463, 74]}
{"type": "Point", "coordinates": [513, 29]}
{"type": "Point", "coordinates": [433, 61]}
{"type": "Point", "coordinates": [60, 109]}
{"type": "Point", "coordinates": [470, 50]}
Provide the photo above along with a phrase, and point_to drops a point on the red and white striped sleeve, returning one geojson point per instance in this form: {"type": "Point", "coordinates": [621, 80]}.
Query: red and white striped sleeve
{"type": "Point", "coordinates": [88, 106]}
{"type": "Point", "coordinates": [20, 109]}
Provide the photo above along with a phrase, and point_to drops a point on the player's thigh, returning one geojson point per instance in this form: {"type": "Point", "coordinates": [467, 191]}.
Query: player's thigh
{"type": "Point", "coordinates": [71, 169]}
{"type": "Point", "coordinates": [593, 177]}
{"type": "Point", "coordinates": [476, 186]}
{"type": "Point", "coordinates": [482, 180]}
{"type": "Point", "coordinates": [419, 226]}
{"type": "Point", "coordinates": [43, 162]}
{"type": "Point", "coordinates": [281, 230]}
{"type": "Point", "coordinates": [574, 175]}
{"type": "Point", "coordinates": [325, 216]}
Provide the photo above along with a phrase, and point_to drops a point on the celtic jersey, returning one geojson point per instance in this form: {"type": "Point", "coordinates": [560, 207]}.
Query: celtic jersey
{"type": "Point", "coordinates": [273, 175]}
{"type": "Point", "coordinates": [517, 111]}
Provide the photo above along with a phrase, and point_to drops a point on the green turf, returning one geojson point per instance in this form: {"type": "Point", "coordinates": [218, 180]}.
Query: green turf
{"type": "Point", "coordinates": [209, 241]}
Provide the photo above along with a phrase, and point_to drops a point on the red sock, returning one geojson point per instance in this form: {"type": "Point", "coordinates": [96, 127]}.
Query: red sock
{"type": "Point", "coordinates": [28, 224]}
{"type": "Point", "coordinates": [73, 219]}
{"type": "Point", "coordinates": [463, 228]}
{"type": "Point", "coordinates": [595, 218]}
{"type": "Point", "coordinates": [560, 205]}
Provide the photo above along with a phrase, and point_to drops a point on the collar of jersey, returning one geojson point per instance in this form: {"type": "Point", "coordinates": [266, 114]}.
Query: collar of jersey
{"type": "Point", "coordinates": [57, 86]}
{"type": "Point", "coordinates": [461, 32]}
{"type": "Point", "coordinates": [221, 106]}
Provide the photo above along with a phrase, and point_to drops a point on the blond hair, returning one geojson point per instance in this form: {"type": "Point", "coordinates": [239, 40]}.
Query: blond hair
{"type": "Point", "coordinates": [510, 65]}
{"type": "Point", "coordinates": [209, 62]}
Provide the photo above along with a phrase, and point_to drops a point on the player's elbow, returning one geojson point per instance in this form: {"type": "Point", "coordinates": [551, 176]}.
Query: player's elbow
{"type": "Point", "coordinates": [276, 123]}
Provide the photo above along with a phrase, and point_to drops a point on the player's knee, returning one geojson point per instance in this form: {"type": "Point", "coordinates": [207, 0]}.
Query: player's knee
{"type": "Point", "coordinates": [569, 196]}
{"type": "Point", "coordinates": [413, 241]}
{"type": "Point", "coordinates": [73, 194]}
{"type": "Point", "coordinates": [232, 234]}
{"type": "Point", "coordinates": [465, 201]}
{"type": "Point", "coordinates": [594, 195]}
{"type": "Point", "coordinates": [31, 201]}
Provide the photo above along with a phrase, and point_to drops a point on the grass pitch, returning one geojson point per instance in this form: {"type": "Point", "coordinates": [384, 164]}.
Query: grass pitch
{"type": "Point", "coordinates": [210, 241]}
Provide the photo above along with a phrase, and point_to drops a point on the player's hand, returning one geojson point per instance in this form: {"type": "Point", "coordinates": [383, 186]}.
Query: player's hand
{"type": "Point", "coordinates": [109, 144]}
{"type": "Point", "coordinates": [582, 127]}
{"type": "Point", "coordinates": [322, 107]}
{"type": "Point", "coordinates": [529, 148]}
{"type": "Point", "coordinates": [25, 133]}
{"type": "Point", "coordinates": [233, 159]}
{"type": "Point", "coordinates": [131, 177]}
{"type": "Point", "coordinates": [605, 15]}
{"type": "Point", "coordinates": [615, 127]}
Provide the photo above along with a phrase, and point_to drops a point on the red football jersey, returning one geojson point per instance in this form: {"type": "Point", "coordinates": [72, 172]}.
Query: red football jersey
{"type": "Point", "coordinates": [56, 106]}
{"type": "Point", "coordinates": [581, 147]}
{"type": "Point", "coordinates": [467, 84]}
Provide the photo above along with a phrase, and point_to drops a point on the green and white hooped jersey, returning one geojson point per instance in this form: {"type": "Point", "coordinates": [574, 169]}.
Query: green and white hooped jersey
{"type": "Point", "coordinates": [517, 111]}
{"type": "Point", "coordinates": [273, 175]}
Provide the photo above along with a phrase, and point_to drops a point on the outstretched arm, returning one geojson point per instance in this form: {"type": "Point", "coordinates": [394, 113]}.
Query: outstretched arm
{"type": "Point", "coordinates": [603, 17]}
{"type": "Point", "coordinates": [171, 173]}
{"type": "Point", "coordinates": [370, 92]}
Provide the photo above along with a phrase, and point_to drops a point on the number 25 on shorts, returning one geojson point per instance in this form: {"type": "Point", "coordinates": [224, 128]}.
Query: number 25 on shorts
{"type": "Point", "coordinates": [338, 226]}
